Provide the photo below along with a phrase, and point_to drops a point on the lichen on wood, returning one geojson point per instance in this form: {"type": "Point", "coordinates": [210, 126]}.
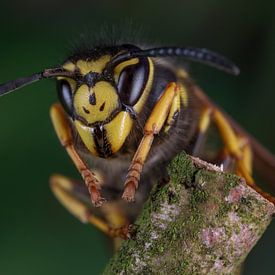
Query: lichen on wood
{"type": "Point", "coordinates": [203, 222]}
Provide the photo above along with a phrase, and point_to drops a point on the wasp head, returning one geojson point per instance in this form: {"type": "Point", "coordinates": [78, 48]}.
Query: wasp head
{"type": "Point", "coordinates": [103, 101]}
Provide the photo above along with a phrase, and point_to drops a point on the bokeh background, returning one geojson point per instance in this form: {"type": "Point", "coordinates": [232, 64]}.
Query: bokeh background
{"type": "Point", "coordinates": [37, 236]}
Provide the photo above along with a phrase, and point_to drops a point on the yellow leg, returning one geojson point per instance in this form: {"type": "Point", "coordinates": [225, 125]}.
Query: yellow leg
{"type": "Point", "coordinates": [69, 194]}
{"type": "Point", "coordinates": [181, 99]}
{"type": "Point", "coordinates": [247, 159]}
{"type": "Point", "coordinates": [229, 137]}
{"type": "Point", "coordinates": [239, 148]}
{"type": "Point", "coordinates": [173, 113]}
{"type": "Point", "coordinates": [244, 169]}
{"type": "Point", "coordinates": [152, 127]}
{"type": "Point", "coordinates": [63, 131]}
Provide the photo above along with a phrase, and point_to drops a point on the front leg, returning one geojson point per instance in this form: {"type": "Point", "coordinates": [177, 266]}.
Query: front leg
{"type": "Point", "coordinates": [62, 127]}
{"type": "Point", "coordinates": [152, 127]}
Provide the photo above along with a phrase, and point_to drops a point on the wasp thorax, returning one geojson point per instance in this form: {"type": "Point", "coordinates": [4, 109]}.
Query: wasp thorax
{"type": "Point", "coordinates": [97, 103]}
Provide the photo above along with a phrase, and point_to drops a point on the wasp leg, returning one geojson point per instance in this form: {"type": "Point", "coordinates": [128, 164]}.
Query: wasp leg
{"type": "Point", "coordinates": [204, 123]}
{"type": "Point", "coordinates": [153, 126]}
{"type": "Point", "coordinates": [244, 169]}
{"type": "Point", "coordinates": [239, 148]}
{"type": "Point", "coordinates": [173, 113]}
{"type": "Point", "coordinates": [75, 199]}
{"type": "Point", "coordinates": [63, 131]}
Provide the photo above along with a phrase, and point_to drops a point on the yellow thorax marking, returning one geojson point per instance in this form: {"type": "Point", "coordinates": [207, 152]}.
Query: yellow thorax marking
{"type": "Point", "coordinates": [96, 66]}
{"type": "Point", "coordinates": [182, 75]}
{"type": "Point", "coordinates": [184, 95]}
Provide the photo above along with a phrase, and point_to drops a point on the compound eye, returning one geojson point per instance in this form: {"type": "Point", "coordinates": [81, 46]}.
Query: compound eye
{"type": "Point", "coordinates": [65, 96]}
{"type": "Point", "coordinates": [132, 81]}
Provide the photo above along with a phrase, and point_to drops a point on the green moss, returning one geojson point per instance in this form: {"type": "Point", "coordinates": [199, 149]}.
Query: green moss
{"type": "Point", "coordinates": [231, 181]}
{"type": "Point", "coordinates": [202, 176]}
{"type": "Point", "coordinates": [181, 169]}
{"type": "Point", "coordinates": [199, 195]}
{"type": "Point", "coordinates": [183, 265]}
{"type": "Point", "coordinates": [246, 209]}
{"type": "Point", "coordinates": [186, 188]}
{"type": "Point", "coordinates": [224, 209]}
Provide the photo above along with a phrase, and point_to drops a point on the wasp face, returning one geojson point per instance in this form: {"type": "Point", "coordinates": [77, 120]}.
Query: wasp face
{"type": "Point", "coordinates": [103, 104]}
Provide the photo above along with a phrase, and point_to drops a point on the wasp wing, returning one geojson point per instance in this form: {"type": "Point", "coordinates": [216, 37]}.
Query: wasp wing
{"type": "Point", "coordinates": [263, 160]}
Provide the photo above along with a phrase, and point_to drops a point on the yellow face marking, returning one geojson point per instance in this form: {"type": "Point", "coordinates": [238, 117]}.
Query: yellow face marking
{"type": "Point", "coordinates": [121, 66]}
{"type": "Point", "coordinates": [138, 106]}
{"type": "Point", "coordinates": [86, 136]}
{"type": "Point", "coordinates": [104, 101]}
{"type": "Point", "coordinates": [96, 66]}
{"type": "Point", "coordinates": [118, 130]}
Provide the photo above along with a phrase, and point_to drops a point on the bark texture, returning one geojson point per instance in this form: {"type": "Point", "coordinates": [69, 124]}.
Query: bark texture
{"type": "Point", "coordinates": [203, 222]}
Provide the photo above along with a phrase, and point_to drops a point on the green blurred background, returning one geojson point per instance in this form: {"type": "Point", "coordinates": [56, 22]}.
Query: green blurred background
{"type": "Point", "coordinates": [37, 236]}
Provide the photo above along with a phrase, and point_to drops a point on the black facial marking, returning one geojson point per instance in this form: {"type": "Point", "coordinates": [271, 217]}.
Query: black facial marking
{"type": "Point", "coordinates": [91, 78]}
{"type": "Point", "coordinates": [92, 99]}
{"type": "Point", "coordinates": [85, 110]}
{"type": "Point", "coordinates": [102, 107]}
{"type": "Point", "coordinates": [102, 144]}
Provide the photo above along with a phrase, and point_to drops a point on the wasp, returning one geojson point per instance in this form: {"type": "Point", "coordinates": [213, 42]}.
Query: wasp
{"type": "Point", "coordinates": [124, 112]}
